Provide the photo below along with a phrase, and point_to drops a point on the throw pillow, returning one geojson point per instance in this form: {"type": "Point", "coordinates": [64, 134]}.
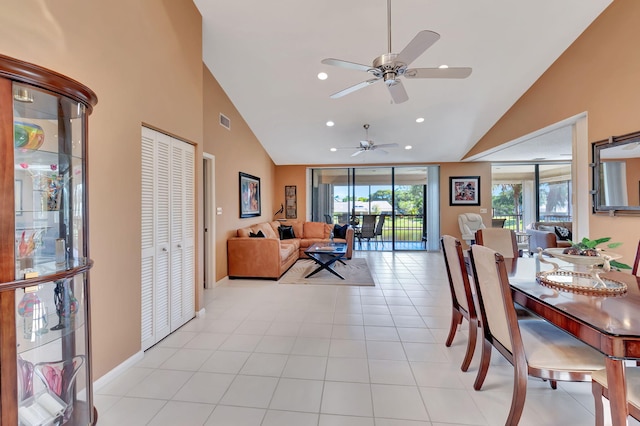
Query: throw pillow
{"type": "Point", "coordinates": [563, 233]}
{"type": "Point", "coordinates": [259, 234]}
{"type": "Point", "coordinates": [340, 231]}
{"type": "Point", "coordinates": [286, 232]}
{"type": "Point", "coordinates": [546, 228]}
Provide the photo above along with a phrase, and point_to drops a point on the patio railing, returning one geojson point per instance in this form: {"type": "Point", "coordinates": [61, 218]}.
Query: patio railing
{"type": "Point", "coordinates": [408, 228]}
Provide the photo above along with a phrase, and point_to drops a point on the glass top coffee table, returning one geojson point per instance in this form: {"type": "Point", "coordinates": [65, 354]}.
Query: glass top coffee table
{"type": "Point", "coordinates": [325, 255]}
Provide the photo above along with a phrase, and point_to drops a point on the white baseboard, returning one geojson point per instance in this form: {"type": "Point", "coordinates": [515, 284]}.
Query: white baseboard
{"type": "Point", "coordinates": [118, 370]}
{"type": "Point", "coordinates": [201, 313]}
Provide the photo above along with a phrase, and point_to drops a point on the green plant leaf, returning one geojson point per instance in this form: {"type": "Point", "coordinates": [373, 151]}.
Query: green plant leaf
{"type": "Point", "coordinates": [614, 245]}
{"type": "Point", "coordinates": [602, 240]}
{"type": "Point", "coordinates": [618, 265]}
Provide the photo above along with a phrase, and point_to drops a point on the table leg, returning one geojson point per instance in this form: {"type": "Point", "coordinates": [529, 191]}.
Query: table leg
{"type": "Point", "coordinates": [327, 266]}
{"type": "Point", "coordinates": [617, 391]}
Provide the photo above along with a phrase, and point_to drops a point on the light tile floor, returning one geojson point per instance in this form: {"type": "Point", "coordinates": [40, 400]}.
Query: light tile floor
{"type": "Point", "coordinates": [269, 354]}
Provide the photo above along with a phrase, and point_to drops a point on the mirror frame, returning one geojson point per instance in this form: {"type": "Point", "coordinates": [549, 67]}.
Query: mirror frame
{"type": "Point", "coordinates": [597, 147]}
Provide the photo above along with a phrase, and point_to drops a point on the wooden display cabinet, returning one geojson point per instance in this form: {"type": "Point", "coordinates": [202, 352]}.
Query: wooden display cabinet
{"type": "Point", "coordinates": [45, 340]}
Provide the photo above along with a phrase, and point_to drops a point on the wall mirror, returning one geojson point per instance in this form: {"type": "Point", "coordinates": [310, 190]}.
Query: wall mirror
{"type": "Point", "coordinates": [616, 175]}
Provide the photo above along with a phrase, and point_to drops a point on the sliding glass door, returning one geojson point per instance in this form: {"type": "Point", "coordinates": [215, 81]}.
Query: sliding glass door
{"type": "Point", "coordinates": [388, 206]}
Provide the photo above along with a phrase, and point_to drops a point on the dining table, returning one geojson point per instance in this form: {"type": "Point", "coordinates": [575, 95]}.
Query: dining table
{"type": "Point", "coordinates": [609, 323]}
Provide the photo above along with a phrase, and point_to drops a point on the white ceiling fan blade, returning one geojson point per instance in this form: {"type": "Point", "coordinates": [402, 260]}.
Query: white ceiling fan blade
{"type": "Point", "coordinates": [386, 145]}
{"type": "Point", "coordinates": [416, 47]}
{"type": "Point", "coordinates": [345, 64]}
{"type": "Point", "coordinates": [351, 148]}
{"type": "Point", "coordinates": [381, 151]}
{"type": "Point", "coordinates": [357, 152]}
{"type": "Point", "coordinates": [460, 72]}
{"type": "Point", "coordinates": [353, 88]}
{"type": "Point", "coordinates": [398, 94]}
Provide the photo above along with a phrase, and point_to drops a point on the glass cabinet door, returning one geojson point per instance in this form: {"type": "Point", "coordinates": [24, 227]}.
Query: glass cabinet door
{"type": "Point", "coordinates": [49, 177]}
{"type": "Point", "coordinates": [53, 362]}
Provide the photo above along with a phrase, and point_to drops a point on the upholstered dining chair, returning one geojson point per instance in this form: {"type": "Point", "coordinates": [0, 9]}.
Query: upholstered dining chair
{"type": "Point", "coordinates": [469, 223]}
{"type": "Point", "coordinates": [636, 262]}
{"type": "Point", "coordinates": [600, 389]}
{"type": "Point", "coordinates": [499, 239]}
{"type": "Point", "coordinates": [534, 347]}
{"type": "Point", "coordinates": [461, 296]}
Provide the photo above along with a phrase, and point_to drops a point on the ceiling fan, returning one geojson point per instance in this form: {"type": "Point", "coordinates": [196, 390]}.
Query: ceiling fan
{"type": "Point", "coordinates": [369, 145]}
{"type": "Point", "coordinates": [390, 66]}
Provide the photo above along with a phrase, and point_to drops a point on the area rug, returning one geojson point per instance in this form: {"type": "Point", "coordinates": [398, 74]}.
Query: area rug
{"type": "Point", "coordinates": [355, 272]}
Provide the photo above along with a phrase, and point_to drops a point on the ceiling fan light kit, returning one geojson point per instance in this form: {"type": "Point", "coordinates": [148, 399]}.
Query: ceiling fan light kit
{"type": "Point", "coordinates": [389, 67]}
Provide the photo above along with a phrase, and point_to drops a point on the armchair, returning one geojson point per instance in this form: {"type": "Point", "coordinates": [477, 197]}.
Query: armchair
{"type": "Point", "coordinates": [469, 223]}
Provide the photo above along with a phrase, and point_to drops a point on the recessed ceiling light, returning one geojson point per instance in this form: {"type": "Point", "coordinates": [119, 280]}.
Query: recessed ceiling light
{"type": "Point", "coordinates": [443, 66]}
{"type": "Point", "coordinates": [333, 149]}
{"type": "Point", "coordinates": [408, 147]}
{"type": "Point", "coordinates": [330, 123]}
{"type": "Point", "coordinates": [322, 76]}
{"type": "Point", "coordinates": [419, 120]}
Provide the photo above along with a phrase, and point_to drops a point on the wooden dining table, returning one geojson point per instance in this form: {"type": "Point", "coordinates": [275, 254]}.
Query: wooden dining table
{"type": "Point", "coordinates": [610, 324]}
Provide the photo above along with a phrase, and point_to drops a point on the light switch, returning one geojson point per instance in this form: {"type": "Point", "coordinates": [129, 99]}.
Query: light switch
{"type": "Point", "coordinates": [219, 210]}
{"type": "Point", "coordinates": [483, 210]}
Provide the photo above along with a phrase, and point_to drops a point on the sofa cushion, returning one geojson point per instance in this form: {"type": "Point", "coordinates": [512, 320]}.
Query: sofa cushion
{"type": "Point", "coordinates": [316, 230]}
{"type": "Point", "coordinates": [340, 231]}
{"type": "Point", "coordinates": [260, 234]}
{"type": "Point", "coordinates": [287, 250]}
{"type": "Point", "coordinates": [286, 232]}
{"type": "Point", "coordinates": [563, 233]}
{"type": "Point", "coordinates": [266, 229]}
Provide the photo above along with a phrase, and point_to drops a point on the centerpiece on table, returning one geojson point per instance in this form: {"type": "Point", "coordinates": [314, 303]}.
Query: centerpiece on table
{"type": "Point", "coordinates": [589, 261]}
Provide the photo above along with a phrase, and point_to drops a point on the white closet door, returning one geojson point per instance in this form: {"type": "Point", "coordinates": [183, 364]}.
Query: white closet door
{"type": "Point", "coordinates": [182, 232]}
{"type": "Point", "coordinates": [168, 243]}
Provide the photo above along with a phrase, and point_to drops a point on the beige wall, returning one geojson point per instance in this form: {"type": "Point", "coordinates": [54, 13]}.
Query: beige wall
{"type": "Point", "coordinates": [144, 61]}
{"type": "Point", "coordinates": [598, 74]}
{"type": "Point", "coordinates": [291, 175]}
{"type": "Point", "coordinates": [236, 150]}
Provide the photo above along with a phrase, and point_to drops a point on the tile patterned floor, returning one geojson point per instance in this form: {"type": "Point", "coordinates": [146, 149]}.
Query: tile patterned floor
{"type": "Point", "coordinates": [269, 354]}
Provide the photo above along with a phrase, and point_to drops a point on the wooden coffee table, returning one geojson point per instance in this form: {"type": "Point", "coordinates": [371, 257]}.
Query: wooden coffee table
{"type": "Point", "coordinates": [325, 255]}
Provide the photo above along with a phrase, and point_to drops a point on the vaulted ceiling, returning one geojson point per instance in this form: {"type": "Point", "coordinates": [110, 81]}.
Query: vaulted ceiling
{"type": "Point", "coordinates": [266, 56]}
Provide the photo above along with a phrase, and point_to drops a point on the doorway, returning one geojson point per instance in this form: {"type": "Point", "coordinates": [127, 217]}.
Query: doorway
{"type": "Point", "coordinates": [209, 221]}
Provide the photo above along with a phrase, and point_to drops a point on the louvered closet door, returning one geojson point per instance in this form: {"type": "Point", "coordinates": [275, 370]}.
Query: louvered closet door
{"type": "Point", "coordinates": [182, 233]}
{"type": "Point", "coordinates": [155, 237]}
{"type": "Point", "coordinates": [167, 279]}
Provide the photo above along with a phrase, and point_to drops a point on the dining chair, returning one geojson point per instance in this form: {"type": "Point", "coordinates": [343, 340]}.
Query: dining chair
{"type": "Point", "coordinates": [534, 347]}
{"type": "Point", "coordinates": [499, 239]}
{"type": "Point", "coordinates": [367, 231]}
{"type": "Point", "coordinates": [634, 270]}
{"type": "Point", "coordinates": [600, 389]}
{"type": "Point", "coordinates": [328, 219]}
{"type": "Point", "coordinates": [378, 231]}
{"type": "Point", "coordinates": [461, 296]}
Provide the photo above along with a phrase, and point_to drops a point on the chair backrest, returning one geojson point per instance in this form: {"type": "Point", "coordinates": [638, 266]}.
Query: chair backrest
{"type": "Point", "coordinates": [469, 223]}
{"type": "Point", "coordinates": [328, 218]}
{"type": "Point", "coordinates": [368, 226]}
{"type": "Point", "coordinates": [497, 223]}
{"type": "Point", "coordinates": [457, 273]}
{"type": "Point", "coordinates": [380, 224]}
{"type": "Point", "coordinates": [499, 239]}
{"type": "Point", "coordinates": [495, 303]}
{"type": "Point", "coordinates": [636, 262]}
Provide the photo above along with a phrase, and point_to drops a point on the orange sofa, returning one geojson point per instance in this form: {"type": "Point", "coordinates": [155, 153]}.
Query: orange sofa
{"type": "Point", "coordinates": [270, 257]}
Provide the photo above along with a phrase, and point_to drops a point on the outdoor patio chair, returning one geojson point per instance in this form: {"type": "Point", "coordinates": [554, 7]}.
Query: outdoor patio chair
{"type": "Point", "coordinates": [378, 231]}
{"type": "Point", "coordinates": [367, 230]}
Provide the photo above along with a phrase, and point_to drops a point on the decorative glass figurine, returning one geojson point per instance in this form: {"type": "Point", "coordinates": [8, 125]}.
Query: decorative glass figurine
{"type": "Point", "coordinates": [34, 315]}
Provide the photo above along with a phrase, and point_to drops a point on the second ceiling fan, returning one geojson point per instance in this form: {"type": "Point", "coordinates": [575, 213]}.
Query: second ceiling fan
{"type": "Point", "coordinates": [390, 66]}
{"type": "Point", "coordinates": [369, 145]}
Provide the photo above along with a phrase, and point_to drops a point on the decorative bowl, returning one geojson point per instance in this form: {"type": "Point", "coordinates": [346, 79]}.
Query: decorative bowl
{"type": "Point", "coordinates": [582, 260]}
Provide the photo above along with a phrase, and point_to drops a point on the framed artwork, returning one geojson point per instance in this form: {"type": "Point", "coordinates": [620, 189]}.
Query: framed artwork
{"type": "Point", "coordinates": [291, 202]}
{"type": "Point", "coordinates": [249, 195]}
{"type": "Point", "coordinates": [464, 190]}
